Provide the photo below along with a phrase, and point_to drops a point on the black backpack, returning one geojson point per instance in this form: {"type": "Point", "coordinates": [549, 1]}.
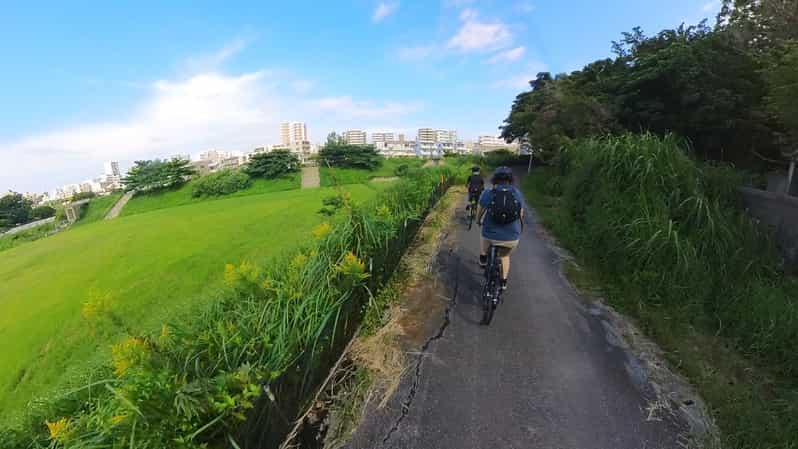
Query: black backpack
{"type": "Point", "coordinates": [504, 207]}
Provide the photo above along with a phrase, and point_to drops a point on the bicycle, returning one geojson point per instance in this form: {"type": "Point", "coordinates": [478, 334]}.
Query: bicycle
{"type": "Point", "coordinates": [472, 212]}
{"type": "Point", "coordinates": [492, 288]}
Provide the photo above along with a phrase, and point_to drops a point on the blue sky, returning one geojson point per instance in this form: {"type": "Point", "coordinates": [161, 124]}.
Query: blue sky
{"type": "Point", "coordinates": [96, 81]}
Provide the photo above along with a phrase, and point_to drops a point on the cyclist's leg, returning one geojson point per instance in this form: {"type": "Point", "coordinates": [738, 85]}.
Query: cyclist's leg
{"type": "Point", "coordinates": [484, 246]}
{"type": "Point", "coordinates": [506, 248]}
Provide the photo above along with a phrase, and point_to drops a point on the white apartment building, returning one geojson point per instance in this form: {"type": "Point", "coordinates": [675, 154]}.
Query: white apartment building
{"type": "Point", "coordinates": [491, 141]}
{"type": "Point", "coordinates": [214, 155]}
{"type": "Point", "coordinates": [382, 137]}
{"type": "Point", "coordinates": [355, 137]}
{"type": "Point", "coordinates": [426, 135]}
{"type": "Point", "coordinates": [444, 136]}
{"type": "Point", "coordinates": [291, 132]}
{"type": "Point", "coordinates": [112, 168]}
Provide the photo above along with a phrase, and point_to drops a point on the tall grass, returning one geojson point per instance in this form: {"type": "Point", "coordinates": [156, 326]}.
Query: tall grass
{"type": "Point", "coordinates": [672, 245]}
{"type": "Point", "coordinates": [238, 369]}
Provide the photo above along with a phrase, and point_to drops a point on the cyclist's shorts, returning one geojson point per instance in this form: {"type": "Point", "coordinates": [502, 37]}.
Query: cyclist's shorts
{"type": "Point", "coordinates": [473, 195]}
{"type": "Point", "coordinates": [505, 247]}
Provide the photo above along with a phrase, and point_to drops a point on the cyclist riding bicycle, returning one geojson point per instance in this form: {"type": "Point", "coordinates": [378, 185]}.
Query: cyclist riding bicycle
{"type": "Point", "coordinates": [501, 216]}
{"type": "Point", "coordinates": [475, 185]}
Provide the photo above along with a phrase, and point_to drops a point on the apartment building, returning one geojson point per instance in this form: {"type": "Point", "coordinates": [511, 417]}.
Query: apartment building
{"type": "Point", "coordinates": [292, 132]}
{"type": "Point", "coordinates": [382, 137]}
{"type": "Point", "coordinates": [355, 137]}
{"type": "Point", "coordinates": [426, 135]}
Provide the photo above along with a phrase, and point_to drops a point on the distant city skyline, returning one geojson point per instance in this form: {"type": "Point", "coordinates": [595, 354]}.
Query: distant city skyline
{"type": "Point", "coordinates": [128, 81]}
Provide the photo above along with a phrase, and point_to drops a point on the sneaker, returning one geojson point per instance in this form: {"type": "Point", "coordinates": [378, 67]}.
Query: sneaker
{"type": "Point", "coordinates": [504, 284]}
{"type": "Point", "coordinates": [483, 261]}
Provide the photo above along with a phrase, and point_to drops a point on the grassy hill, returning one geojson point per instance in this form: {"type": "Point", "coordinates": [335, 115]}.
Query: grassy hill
{"type": "Point", "coordinates": [333, 176]}
{"type": "Point", "coordinates": [142, 268]}
{"type": "Point", "coordinates": [98, 207]}
{"type": "Point", "coordinates": [182, 195]}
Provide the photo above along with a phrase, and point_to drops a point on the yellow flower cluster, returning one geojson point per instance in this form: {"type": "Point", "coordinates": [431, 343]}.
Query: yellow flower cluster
{"type": "Point", "coordinates": [321, 230]}
{"type": "Point", "coordinates": [127, 354]}
{"type": "Point", "coordinates": [245, 270]}
{"type": "Point", "coordinates": [118, 419]}
{"type": "Point", "coordinates": [352, 266]}
{"type": "Point", "coordinates": [383, 212]}
{"type": "Point", "coordinates": [59, 430]}
{"type": "Point", "coordinates": [97, 304]}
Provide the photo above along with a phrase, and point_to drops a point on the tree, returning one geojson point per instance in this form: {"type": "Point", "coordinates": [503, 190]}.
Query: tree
{"type": "Point", "coordinates": [273, 164]}
{"type": "Point", "coordinates": [157, 174]}
{"type": "Point", "coordinates": [83, 196]}
{"type": "Point", "coordinates": [338, 154]}
{"type": "Point", "coordinates": [42, 212]}
{"type": "Point", "coordinates": [14, 210]}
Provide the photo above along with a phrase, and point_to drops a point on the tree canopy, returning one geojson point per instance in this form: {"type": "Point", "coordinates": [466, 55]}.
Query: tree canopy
{"type": "Point", "coordinates": [273, 164]}
{"type": "Point", "coordinates": [732, 98]}
{"type": "Point", "coordinates": [339, 154]}
{"type": "Point", "coordinates": [15, 210]}
{"type": "Point", "coordinates": [158, 174]}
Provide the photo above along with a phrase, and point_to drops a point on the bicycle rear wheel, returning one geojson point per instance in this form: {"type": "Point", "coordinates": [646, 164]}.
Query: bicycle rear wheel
{"type": "Point", "coordinates": [471, 214]}
{"type": "Point", "coordinates": [490, 291]}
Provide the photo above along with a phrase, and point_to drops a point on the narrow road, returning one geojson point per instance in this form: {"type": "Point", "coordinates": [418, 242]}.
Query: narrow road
{"type": "Point", "coordinates": [548, 373]}
{"type": "Point", "coordinates": [310, 177]}
{"type": "Point", "coordinates": [117, 209]}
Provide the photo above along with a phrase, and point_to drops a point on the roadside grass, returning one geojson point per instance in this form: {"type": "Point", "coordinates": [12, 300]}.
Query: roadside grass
{"type": "Point", "coordinates": [331, 176]}
{"type": "Point", "coordinates": [140, 270]}
{"type": "Point", "coordinates": [753, 404]}
{"type": "Point", "coordinates": [98, 207]}
{"type": "Point", "coordinates": [182, 195]}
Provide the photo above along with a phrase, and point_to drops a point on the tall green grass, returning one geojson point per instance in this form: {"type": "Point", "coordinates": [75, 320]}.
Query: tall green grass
{"type": "Point", "coordinates": [30, 235]}
{"type": "Point", "coordinates": [240, 366]}
{"type": "Point", "coordinates": [330, 176]}
{"type": "Point", "coordinates": [671, 245]}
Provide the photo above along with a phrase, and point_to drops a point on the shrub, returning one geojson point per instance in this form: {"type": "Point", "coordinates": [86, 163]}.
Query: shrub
{"type": "Point", "coordinates": [273, 164]}
{"type": "Point", "coordinates": [224, 182]}
{"type": "Point", "coordinates": [401, 170]}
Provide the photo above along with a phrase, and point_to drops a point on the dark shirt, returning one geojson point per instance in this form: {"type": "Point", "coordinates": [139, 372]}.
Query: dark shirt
{"type": "Point", "coordinates": [475, 182]}
{"type": "Point", "coordinates": [495, 231]}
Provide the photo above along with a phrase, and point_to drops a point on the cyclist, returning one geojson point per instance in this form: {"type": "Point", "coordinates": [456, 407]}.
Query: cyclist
{"type": "Point", "coordinates": [475, 185]}
{"type": "Point", "coordinates": [501, 216]}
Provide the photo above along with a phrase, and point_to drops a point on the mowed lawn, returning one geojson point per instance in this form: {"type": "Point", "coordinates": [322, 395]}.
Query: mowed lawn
{"type": "Point", "coordinates": [151, 264]}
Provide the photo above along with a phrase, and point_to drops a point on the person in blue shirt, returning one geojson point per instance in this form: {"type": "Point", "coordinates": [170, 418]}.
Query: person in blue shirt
{"type": "Point", "coordinates": [500, 213]}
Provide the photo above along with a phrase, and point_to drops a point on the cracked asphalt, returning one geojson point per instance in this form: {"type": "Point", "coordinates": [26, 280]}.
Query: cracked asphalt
{"type": "Point", "coordinates": [549, 372]}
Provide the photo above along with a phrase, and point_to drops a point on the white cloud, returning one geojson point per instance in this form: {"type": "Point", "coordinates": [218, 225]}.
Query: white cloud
{"type": "Point", "coordinates": [478, 35]}
{"type": "Point", "coordinates": [416, 53]}
{"type": "Point", "coordinates": [383, 10]}
{"type": "Point", "coordinates": [510, 55]}
{"type": "Point", "coordinates": [303, 87]}
{"type": "Point", "coordinates": [185, 116]}
{"type": "Point", "coordinates": [521, 81]}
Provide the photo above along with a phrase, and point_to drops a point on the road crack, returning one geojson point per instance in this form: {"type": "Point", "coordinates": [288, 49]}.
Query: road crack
{"type": "Point", "coordinates": [408, 402]}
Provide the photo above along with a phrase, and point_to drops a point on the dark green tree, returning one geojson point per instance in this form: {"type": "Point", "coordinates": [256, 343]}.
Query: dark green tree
{"type": "Point", "coordinates": [14, 210]}
{"type": "Point", "coordinates": [41, 212]}
{"type": "Point", "coordinates": [350, 156]}
{"type": "Point", "coordinates": [273, 164]}
{"type": "Point", "coordinates": [157, 174]}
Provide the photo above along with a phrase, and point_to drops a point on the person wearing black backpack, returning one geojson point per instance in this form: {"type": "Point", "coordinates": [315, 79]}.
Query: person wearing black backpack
{"type": "Point", "coordinates": [500, 213]}
{"type": "Point", "coordinates": [475, 185]}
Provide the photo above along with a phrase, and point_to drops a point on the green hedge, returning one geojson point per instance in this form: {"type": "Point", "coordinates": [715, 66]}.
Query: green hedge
{"type": "Point", "coordinates": [233, 371]}
{"type": "Point", "coordinates": [223, 182]}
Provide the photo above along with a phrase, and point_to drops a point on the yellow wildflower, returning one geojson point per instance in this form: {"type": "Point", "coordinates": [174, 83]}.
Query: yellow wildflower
{"type": "Point", "coordinates": [231, 276]}
{"type": "Point", "coordinates": [383, 212]}
{"type": "Point", "coordinates": [321, 230]}
{"type": "Point", "coordinates": [299, 262]}
{"type": "Point", "coordinates": [127, 354]}
{"type": "Point", "coordinates": [59, 430]}
{"type": "Point", "coordinates": [118, 419]}
{"type": "Point", "coordinates": [353, 266]}
{"type": "Point", "coordinates": [266, 285]}
{"type": "Point", "coordinates": [248, 271]}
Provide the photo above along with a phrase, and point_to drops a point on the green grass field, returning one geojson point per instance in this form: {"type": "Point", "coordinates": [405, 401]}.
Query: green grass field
{"type": "Point", "coordinates": [98, 208]}
{"type": "Point", "coordinates": [11, 241]}
{"type": "Point", "coordinates": [151, 266]}
{"type": "Point", "coordinates": [331, 176]}
{"type": "Point", "coordinates": [182, 195]}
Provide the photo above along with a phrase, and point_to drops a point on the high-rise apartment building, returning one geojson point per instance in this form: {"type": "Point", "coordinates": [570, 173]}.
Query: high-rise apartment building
{"type": "Point", "coordinates": [112, 168]}
{"type": "Point", "coordinates": [491, 141]}
{"type": "Point", "coordinates": [382, 137]}
{"type": "Point", "coordinates": [429, 135]}
{"type": "Point", "coordinates": [293, 132]}
{"type": "Point", "coordinates": [355, 137]}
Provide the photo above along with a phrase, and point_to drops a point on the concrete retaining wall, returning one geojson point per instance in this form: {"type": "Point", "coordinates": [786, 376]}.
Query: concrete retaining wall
{"type": "Point", "coordinates": [780, 213]}
{"type": "Point", "coordinates": [31, 225]}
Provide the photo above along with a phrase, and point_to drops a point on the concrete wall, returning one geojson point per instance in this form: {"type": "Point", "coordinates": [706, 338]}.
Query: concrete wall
{"type": "Point", "coordinates": [30, 225]}
{"type": "Point", "coordinates": [780, 213]}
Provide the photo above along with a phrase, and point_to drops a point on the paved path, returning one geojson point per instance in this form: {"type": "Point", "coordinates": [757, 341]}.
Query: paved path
{"type": "Point", "coordinates": [550, 372]}
{"type": "Point", "coordinates": [310, 177]}
{"type": "Point", "coordinates": [115, 211]}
